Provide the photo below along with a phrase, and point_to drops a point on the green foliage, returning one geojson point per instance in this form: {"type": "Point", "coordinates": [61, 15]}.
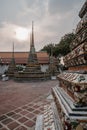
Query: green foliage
{"type": "Point", "coordinates": [63, 47]}
{"type": "Point", "coordinates": [49, 48]}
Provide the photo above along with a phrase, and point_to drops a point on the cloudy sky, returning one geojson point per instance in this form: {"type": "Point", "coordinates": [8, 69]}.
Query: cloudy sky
{"type": "Point", "coordinates": [52, 19]}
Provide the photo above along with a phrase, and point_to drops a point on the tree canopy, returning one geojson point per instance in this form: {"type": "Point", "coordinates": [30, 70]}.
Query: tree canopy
{"type": "Point", "coordinates": [62, 48]}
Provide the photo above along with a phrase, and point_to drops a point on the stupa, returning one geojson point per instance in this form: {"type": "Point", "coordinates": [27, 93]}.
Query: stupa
{"type": "Point", "coordinates": [32, 64]}
{"type": "Point", "coordinates": [12, 66]}
{"type": "Point", "coordinates": [32, 70]}
{"type": "Point", "coordinates": [71, 95]}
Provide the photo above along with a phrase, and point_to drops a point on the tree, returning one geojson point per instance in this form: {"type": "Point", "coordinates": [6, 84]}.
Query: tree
{"type": "Point", "coordinates": [63, 47]}
{"type": "Point", "coordinates": [49, 48]}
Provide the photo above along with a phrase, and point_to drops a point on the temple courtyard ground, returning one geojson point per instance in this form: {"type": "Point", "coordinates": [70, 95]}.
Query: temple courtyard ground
{"type": "Point", "coordinates": [20, 103]}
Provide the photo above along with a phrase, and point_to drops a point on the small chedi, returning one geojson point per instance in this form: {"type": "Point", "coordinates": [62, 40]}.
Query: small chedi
{"type": "Point", "coordinates": [12, 66]}
{"type": "Point", "coordinates": [32, 70]}
{"type": "Point", "coordinates": [53, 69]}
{"type": "Point", "coordinates": [71, 95]}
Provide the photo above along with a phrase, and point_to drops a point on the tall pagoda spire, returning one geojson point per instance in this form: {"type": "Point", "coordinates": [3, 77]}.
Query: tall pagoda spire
{"type": "Point", "coordinates": [32, 55]}
{"type": "Point", "coordinates": [32, 48]}
{"type": "Point", "coordinates": [32, 34]}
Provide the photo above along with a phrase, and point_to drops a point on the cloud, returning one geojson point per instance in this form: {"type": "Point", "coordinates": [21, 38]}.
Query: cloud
{"type": "Point", "coordinates": [8, 36]}
{"type": "Point", "coordinates": [9, 9]}
{"type": "Point", "coordinates": [53, 19]}
{"type": "Point", "coordinates": [61, 6]}
{"type": "Point", "coordinates": [32, 10]}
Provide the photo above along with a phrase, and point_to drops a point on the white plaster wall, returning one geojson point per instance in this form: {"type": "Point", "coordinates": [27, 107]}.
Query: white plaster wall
{"type": "Point", "coordinates": [44, 68]}
{"type": "Point", "coordinates": [3, 68]}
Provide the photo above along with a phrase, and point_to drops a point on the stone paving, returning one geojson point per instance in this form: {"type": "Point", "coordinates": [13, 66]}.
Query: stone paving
{"type": "Point", "coordinates": [20, 103]}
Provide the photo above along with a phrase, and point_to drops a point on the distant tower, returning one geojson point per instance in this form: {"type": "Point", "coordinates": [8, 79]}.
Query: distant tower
{"type": "Point", "coordinates": [12, 66]}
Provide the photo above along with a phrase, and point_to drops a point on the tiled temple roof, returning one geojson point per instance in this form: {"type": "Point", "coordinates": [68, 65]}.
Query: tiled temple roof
{"type": "Point", "coordinates": [22, 57]}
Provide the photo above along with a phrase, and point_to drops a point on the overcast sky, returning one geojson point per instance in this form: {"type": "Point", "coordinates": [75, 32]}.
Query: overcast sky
{"type": "Point", "coordinates": [52, 19]}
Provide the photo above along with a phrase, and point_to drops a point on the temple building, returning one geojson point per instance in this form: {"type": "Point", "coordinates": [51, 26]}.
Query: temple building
{"type": "Point", "coordinates": [21, 59]}
{"type": "Point", "coordinates": [69, 108]}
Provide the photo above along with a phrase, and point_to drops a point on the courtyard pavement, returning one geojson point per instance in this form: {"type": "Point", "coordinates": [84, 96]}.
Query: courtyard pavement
{"type": "Point", "coordinates": [20, 103]}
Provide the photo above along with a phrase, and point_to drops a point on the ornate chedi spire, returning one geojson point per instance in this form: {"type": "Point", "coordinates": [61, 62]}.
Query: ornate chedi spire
{"type": "Point", "coordinates": [32, 55]}
{"type": "Point", "coordinates": [33, 68]}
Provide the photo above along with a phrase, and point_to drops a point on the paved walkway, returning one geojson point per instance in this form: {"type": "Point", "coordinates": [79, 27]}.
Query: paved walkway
{"type": "Point", "coordinates": [20, 103]}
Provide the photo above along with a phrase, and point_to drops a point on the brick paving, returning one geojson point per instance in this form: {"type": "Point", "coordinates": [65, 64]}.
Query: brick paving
{"type": "Point", "coordinates": [20, 103]}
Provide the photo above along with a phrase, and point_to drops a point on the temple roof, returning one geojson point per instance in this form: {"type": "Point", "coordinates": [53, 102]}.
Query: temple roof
{"type": "Point", "coordinates": [22, 57]}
